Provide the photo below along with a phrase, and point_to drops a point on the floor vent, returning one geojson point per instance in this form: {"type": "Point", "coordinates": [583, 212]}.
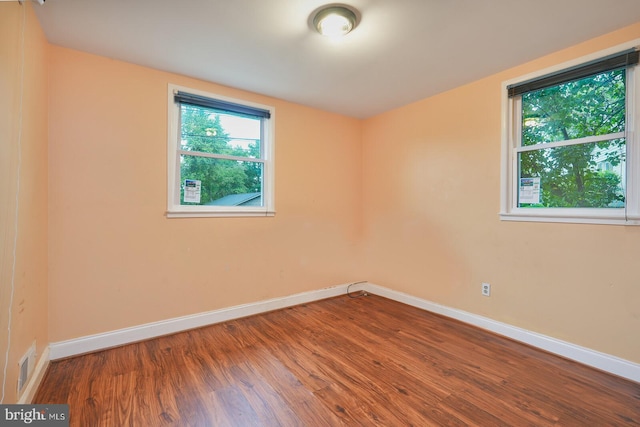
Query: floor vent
{"type": "Point", "coordinates": [26, 366]}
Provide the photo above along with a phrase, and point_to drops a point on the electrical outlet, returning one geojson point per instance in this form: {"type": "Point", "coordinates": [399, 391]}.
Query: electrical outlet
{"type": "Point", "coordinates": [486, 289]}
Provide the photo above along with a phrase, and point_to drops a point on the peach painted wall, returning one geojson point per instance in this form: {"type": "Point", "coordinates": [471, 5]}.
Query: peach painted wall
{"type": "Point", "coordinates": [408, 200]}
{"type": "Point", "coordinates": [431, 199]}
{"type": "Point", "coordinates": [23, 186]}
{"type": "Point", "coordinates": [117, 261]}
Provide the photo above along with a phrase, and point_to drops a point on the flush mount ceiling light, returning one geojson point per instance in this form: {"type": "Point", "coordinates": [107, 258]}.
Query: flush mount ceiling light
{"type": "Point", "coordinates": [334, 21]}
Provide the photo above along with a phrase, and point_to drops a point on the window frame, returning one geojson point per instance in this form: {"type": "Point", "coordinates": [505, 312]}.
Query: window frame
{"type": "Point", "coordinates": [511, 136]}
{"type": "Point", "coordinates": [177, 210]}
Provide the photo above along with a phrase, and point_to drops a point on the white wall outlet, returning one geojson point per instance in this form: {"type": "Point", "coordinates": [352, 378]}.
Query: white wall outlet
{"type": "Point", "coordinates": [486, 289]}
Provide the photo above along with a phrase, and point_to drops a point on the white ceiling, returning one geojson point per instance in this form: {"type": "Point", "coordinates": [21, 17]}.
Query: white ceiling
{"type": "Point", "coordinates": [402, 51]}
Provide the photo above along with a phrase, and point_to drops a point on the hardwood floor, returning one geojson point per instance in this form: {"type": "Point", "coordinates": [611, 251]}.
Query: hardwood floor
{"type": "Point", "coordinates": [340, 361]}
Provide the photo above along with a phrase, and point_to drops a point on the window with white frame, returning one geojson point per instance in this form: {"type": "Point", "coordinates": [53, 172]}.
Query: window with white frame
{"type": "Point", "coordinates": [220, 156]}
{"type": "Point", "coordinates": [570, 142]}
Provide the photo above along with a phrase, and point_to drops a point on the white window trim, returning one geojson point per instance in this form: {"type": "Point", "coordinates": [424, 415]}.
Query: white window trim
{"type": "Point", "coordinates": [630, 214]}
{"type": "Point", "coordinates": [174, 208]}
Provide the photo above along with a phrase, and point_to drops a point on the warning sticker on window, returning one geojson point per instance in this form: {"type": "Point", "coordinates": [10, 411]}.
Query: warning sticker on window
{"type": "Point", "coordinates": [529, 191]}
{"type": "Point", "coordinates": [192, 190]}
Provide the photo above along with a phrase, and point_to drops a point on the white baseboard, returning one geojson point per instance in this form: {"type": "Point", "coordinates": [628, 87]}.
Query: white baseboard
{"type": "Point", "coordinates": [87, 344]}
{"type": "Point", "coordinates": [602, 361]}
{"type": "Point", "coordinates": [586, 356]}
{"type": "Point", "coordinates": [40, 369]}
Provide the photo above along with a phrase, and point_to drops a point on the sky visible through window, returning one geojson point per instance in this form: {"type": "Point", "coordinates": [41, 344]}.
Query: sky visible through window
{"type": "Point", "coordinates": [241, 130]}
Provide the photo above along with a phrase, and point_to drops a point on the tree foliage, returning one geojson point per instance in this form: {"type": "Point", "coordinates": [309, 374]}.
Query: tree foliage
{"type": "Point", "coordinates": [202, 131]}
{"type": "Point", "coordinates": [592, 106]}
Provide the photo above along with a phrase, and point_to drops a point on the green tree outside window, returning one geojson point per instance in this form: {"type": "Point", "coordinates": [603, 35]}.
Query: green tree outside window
{"type": "Point", "coordinates": [574, 175]}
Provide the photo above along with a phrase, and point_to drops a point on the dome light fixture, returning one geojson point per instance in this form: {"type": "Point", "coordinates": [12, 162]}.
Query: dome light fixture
{"type": "Point", "coordinates": [334, 20]}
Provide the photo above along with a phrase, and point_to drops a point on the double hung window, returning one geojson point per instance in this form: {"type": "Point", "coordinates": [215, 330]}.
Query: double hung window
{"type": "Point", "coordinates": [220, 156]}
{"type": "Point", "coordinates": [570, 148]}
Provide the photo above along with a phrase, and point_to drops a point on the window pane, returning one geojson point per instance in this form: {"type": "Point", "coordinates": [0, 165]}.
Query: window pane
{"type": "Point", "coordinates": [221, 182]}
{"type": "Point", "coordinates": [591, 106]}
{"type": "Point", "coordinates": [218, 132]}
{"type": "Point", "coordinates": [583, 175]}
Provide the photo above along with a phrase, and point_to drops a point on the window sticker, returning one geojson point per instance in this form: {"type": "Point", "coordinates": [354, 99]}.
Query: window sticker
{"type": "Point", "coordinates": [192, 191]}
{"type": "Point", "coordinates": [529, 190]}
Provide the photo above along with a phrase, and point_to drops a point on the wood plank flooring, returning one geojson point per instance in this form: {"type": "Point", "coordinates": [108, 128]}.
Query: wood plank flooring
{"type": "Point", "coordinates": [343, 361]}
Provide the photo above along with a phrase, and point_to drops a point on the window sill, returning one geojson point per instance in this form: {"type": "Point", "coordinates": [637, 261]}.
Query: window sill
{"type": "Point", "coordinates": [565, 217]}
{"type": "Point", "coordinates": [218, 214]}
